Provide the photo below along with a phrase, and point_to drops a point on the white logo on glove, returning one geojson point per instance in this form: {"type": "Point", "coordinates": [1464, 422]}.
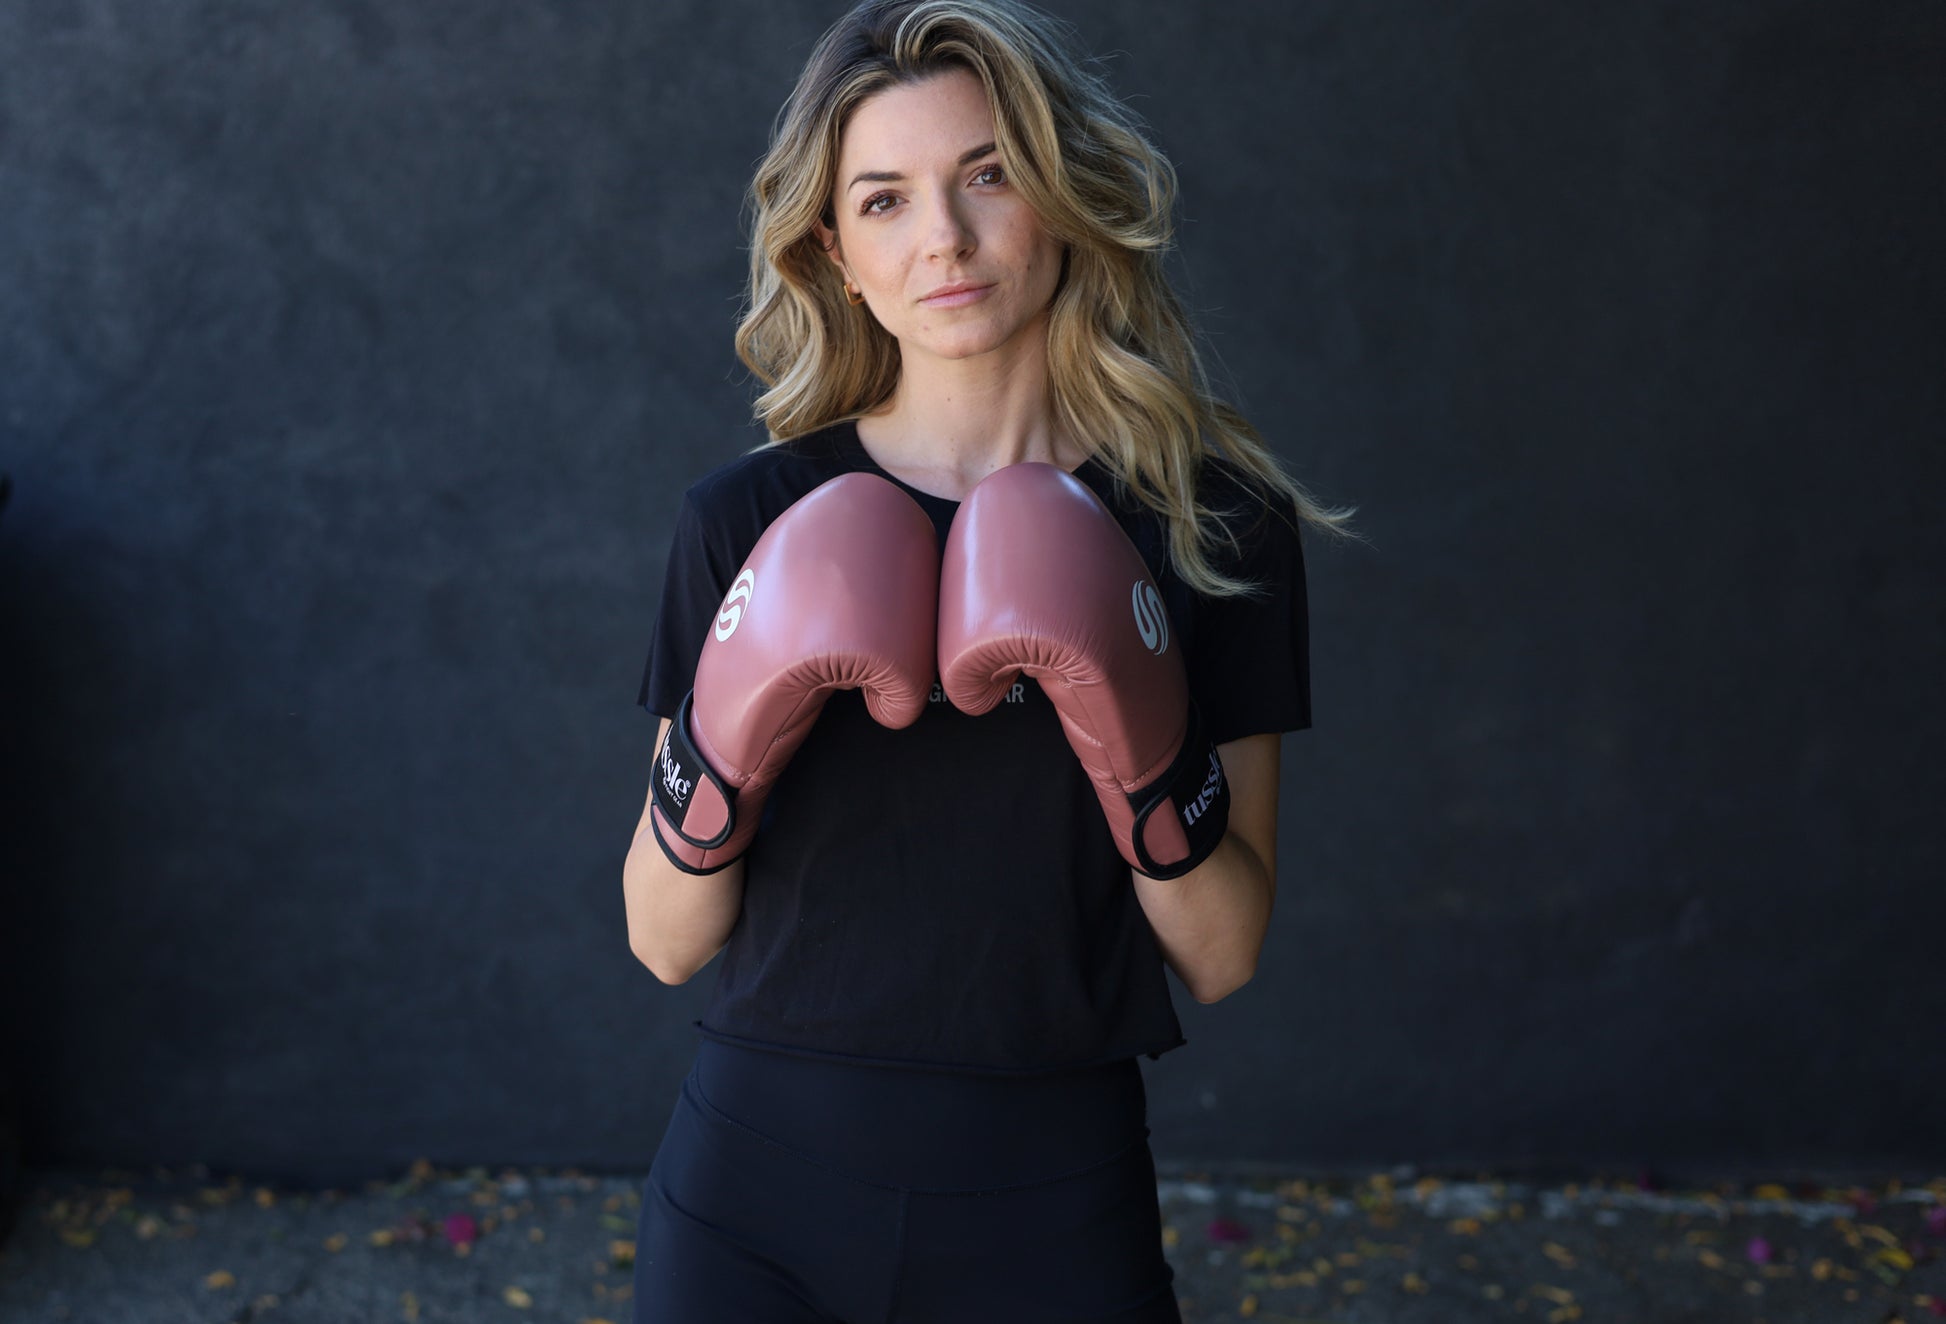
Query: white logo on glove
{"type": "Point", "coordinates": [672, 779]}
{"type": "Point", "coordinates": [1150, 618]}
{"type": "Point", "coordinates": [733, 605]}
{"type": "Point", "coordinates": [1211, 785]}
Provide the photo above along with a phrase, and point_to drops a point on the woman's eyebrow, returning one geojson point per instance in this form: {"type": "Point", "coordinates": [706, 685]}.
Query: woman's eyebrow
{"type": "Point", "coordinates": [893, 176]}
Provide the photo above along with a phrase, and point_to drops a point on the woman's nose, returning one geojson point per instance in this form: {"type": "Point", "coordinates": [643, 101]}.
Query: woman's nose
{"type": "Point", "coordinates": [949, 233]}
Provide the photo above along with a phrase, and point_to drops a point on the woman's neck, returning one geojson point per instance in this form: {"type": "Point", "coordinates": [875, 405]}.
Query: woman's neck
{"type": "Point", "coordinates": [951, 422]}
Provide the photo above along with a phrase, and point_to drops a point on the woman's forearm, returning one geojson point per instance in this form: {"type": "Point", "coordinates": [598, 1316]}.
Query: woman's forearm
{"type": "Point", "coordinates": [1211, 922]}
{"type": "Point", "coordinates": [677, 921]}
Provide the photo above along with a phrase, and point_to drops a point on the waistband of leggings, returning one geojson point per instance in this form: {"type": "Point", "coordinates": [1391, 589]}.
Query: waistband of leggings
{"type": "Point", "coordinates": [940, 1129]}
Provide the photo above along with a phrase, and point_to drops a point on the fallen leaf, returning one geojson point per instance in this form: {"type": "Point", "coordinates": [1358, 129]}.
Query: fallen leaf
{"type": "Point", "coordinates": [1893, 1256]}
{"type": "Point", "coordinates": [1227, 1231]}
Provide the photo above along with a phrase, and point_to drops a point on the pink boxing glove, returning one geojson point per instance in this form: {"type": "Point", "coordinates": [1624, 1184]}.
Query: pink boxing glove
{"type": "Point", "coordinates": [1038, 577]}
{"type": "Point", "coordinates": [840, 592]}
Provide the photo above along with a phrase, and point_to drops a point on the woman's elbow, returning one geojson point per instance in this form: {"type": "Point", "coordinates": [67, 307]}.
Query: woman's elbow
{"type": "Point", "coordinates": [1212, 993]}
{"type": "Point", "coordinates": [660, 967]}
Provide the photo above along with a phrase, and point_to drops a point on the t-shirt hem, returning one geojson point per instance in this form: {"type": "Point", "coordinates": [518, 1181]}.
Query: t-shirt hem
{"type": "Point", "coordinates": [1273, 726]}
{"type": "Point", "coordinates": [1151, 1051]}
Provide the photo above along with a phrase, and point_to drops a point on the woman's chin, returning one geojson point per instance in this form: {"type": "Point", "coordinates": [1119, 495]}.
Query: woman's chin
{"type": "Point", "coordinates": [970, 344]}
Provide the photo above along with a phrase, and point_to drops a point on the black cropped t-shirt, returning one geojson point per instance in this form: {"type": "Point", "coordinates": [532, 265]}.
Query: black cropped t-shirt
{"type": "Point", "coordinates": [948, 895]}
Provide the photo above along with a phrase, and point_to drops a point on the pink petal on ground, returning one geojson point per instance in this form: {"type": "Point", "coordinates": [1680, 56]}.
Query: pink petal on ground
{"type": "Point", "coordinates": [1759, 1251]}
{"type": "Point", "coordinates": [1227, 1230]}
{"type": "Point", "coordinates": [1936, 1220]}
{"type": "Point", "coordinates": [461, 1230]}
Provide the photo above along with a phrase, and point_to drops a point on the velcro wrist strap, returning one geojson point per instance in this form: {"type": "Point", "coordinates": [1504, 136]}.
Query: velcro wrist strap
{"type": "Point", "coordinates": [1195, 794]}
{"type": "Point", "coordinates": [680, 853]}
{"type": "Point", "coordinates": [688, 790]}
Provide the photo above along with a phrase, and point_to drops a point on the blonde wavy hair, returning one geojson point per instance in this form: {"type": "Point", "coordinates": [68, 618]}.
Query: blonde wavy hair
{"type": "Point", "coordinates": [1124, 375]}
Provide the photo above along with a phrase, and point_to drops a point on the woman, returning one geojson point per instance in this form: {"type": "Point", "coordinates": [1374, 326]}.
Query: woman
{"type": "Point", "coordinates": [917, 1093]}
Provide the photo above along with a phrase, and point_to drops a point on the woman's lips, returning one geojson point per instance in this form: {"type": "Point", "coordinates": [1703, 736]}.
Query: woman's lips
{"type": "Point", "coordinates": [958, 297]}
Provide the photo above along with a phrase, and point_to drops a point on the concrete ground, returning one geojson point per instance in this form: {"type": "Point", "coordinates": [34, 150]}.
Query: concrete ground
{"type": "Point", "coordinates": [529, 1246]}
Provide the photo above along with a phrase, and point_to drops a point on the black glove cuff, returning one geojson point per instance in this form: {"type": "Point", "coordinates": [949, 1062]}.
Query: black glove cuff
{"type": "Point", "coordinates": [682, 774]}
{"type": "Point", "coordinates": [1196, 792]}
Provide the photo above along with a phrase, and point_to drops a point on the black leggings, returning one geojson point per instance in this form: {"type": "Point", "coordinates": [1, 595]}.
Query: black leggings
{"type": "Point", "coordinates": [793, 1189]}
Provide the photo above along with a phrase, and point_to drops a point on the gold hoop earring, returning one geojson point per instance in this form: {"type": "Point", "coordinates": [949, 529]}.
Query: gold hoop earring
{"type": "Point", "coordinates": [853, 295]}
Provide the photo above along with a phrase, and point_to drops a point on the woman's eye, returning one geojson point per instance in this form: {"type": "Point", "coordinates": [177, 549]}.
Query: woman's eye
{"type": "Point", "coordinates": [870, 207]}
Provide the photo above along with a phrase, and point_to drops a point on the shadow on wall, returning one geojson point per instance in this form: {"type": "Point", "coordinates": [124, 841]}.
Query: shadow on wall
{"type": "Point", "coordinates": [37, 843]}
{"type": "Point", "coordinates": [10, 936]}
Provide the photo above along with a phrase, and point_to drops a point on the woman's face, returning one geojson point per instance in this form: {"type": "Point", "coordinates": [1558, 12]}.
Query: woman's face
{"type": "Point", "coordinates": [936, 207]}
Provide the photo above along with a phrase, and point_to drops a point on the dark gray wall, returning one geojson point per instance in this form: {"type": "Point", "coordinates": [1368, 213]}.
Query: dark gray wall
{"type": "Point", "coordinates": [353, 358]}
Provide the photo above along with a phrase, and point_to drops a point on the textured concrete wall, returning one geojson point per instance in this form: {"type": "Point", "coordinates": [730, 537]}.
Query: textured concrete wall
{"type": "Point", "coordinates": [353, 358]}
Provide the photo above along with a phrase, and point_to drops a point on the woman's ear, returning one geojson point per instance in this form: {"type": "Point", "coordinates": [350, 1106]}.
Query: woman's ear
{"type": "Point", "coordinates": [828, 241]}
{"type": "Point", "coordinates": [827, 237]}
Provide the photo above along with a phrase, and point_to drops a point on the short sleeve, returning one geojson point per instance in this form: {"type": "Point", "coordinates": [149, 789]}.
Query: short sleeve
{"type": "Point", "coordinates": [693, 585]}
{"type": "Point", "coordinates": [1249, 658]}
